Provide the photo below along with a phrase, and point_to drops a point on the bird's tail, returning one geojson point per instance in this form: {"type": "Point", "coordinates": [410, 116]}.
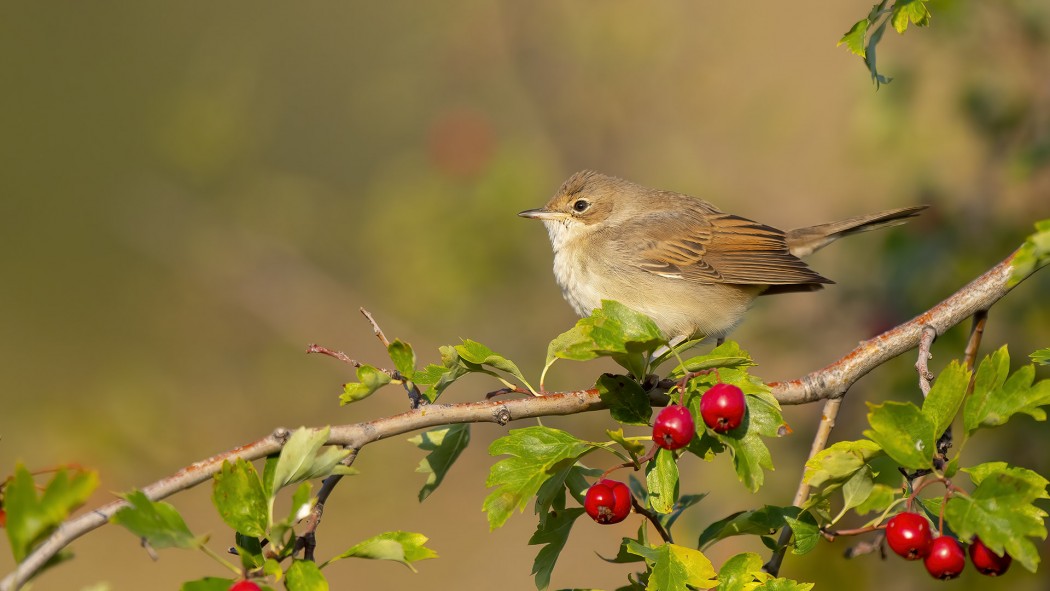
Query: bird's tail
{"type": "Point", "coordinates": [805, 241]}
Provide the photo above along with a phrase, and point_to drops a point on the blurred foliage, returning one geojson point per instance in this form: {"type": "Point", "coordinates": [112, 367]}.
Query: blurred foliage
{"type": "Point", "coordinates": [191, 193]}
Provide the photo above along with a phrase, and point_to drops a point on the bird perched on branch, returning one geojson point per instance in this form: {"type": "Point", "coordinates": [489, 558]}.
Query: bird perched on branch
{"type": "Point", "coordinates": [692, 268]}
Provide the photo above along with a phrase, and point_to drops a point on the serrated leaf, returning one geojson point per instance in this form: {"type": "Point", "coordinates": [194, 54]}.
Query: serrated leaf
{"type": "Point", "coordinates": [552, 533]}
{"type": "Point", "coordinates": [301, 459]}
{"type": "Point", "coordinates": [909, 11]}
{"type": "Point", "coordinates": [784, 585]}
{"type": "Point", "coordinates": [238, 495]}
{"type": "Point", "coordinates": [1042, 356]}
{"type": "Point", "coordinates": [475, 353]}
{"type": "Point", "coordinates": [369, 379]}
{"type": "Point", "coordinates": [445, 445]}
{"type": "Point", "coordinates": [854, 38]}
{"type": "Point", "coordinates": [740, 572]}
{"type": "Point", "coordinates": [632, 447]}
{"type": "Point", "coordinates": [439, 377]}
{"type": "Point", "coordinates": [156, 522]}
{"type": "Point", "coordinates": [1033, 255]}
{"type": "Point", "coordinates": [30, 519]}
{"type": "Point", "coordinates": [661, 477]}
{"type": "Point", "coordinates": [534, 451]}
{"type": "Point", "coordinates": [1001, 511]}
{"type": "Point", "coordinates": [675, 568]}
{"type": "Point", "coordinates": [628, 403]}
{"type": "Point", "coordinates": [838, 462]}
{"type": "Point", "coordinates": [881, 497]}
{"type": "Point", "coordinates": [996, 397]}
{"type": "Point", "coordinates": [403, 356]}
{"type": "Point", "coordinates": [804, 530]}
{"type": "Point", "coordinates": [728, 354]}
{"type": "Point", "coordinates": [946, 396]}
{"type": "Point", "coordinates": [869, 55]}
{"type": "Point", "coordinates": [903, 432]}
{"type": "Point", "coordinates": [305, 575]}
{"type": "Point", "coordinates": [399, 546]}
{"type": "Point", "coordinates": [613, 330]}
{"type": "Point", "coordinates": [760, 522]}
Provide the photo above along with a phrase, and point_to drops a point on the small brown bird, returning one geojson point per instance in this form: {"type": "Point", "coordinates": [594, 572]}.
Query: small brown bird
{"type": "Point", "coordinates": [690, 267]}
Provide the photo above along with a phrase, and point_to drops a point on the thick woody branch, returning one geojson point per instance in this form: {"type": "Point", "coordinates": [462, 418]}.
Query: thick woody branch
{"type": "Point", "coordinates": [828, 383]}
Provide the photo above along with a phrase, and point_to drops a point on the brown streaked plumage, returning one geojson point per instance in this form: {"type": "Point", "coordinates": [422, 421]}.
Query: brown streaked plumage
{"type": "Point", "coordinates": [691, 267]}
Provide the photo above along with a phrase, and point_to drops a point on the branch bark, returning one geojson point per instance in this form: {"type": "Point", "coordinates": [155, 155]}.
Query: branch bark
{"type": "Point", "coordinates": [829, 383]}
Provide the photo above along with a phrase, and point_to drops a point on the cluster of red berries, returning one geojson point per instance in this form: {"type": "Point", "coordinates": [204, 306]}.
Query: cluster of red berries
{"type": "Point", "coordinates": [910, 536]}
{"type": "Point", "coordinates": [722, 407]}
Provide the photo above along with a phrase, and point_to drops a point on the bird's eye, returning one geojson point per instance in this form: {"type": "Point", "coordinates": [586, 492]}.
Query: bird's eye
{"type": "Point", "coordinates": [581, 205]}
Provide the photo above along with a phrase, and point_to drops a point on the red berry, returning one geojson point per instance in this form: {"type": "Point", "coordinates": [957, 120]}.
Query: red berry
{"type": "Point", "coordinates": [608, 501]}
{"type": "Point", "coordinates": [946, 559]}
{"type": "Point", "coordinates": [3, 518]}
{"type": "Point", "coordinates": [987, 562]}
{"type": "Point", "coordinates": [674, 427]}
{"type": "Point", "coordinates": [244, 586]}
{"type": "Point", "coordinates": [909, 535]}
{"type": "Point", "coordinates": [723, 407]}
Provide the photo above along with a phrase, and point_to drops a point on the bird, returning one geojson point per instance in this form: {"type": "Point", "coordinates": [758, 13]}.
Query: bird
{"type": "Point", "coordinates": [692, 268]}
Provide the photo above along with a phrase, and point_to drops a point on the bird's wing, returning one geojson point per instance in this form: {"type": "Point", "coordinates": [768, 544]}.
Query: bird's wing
{"type": "Point", "coordinates": [716, 247]}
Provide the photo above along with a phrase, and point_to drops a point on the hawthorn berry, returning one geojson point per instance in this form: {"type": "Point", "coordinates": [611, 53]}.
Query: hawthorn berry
{"type": "Point", "coordinates": [909, 535]}
{"type": "Point", "coordinates": [674, 427]}
{"type": "Point", "coordinates": [946, 559]}
{"type": "Point", "coordinates": [987, 562]}
{"type": "Point", "coordinates": [608, 501]}
{"type": "Point", "coordinates": [244, 586]}
{"type": "Point", "coordinates": [722, 407]}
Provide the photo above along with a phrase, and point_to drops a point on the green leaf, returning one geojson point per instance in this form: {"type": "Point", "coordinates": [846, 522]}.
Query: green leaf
{"type": "Point", "coordinates": [858, 488]}
{"type": "Point", "coordinates": [628, 403]}
{"type": "Point", "coordinates": [909, 11]}
{"type": "Point", "coordinates": [304, 575]}
{"type": "Point", "coordinates": [445, 445]}
{"type": "Point", "coordinates": [403, 356]}
{"type": "Point", "coordinates": [1033, 255]}
{"type": "Point", "coordinates": [805, 532]}
{"type": "Point", "coordinates": [997, 397]}
{"type": "Point", "coordinates": [1042, 356]}
{"type": "Point", "coordinates": [881, 497]}
{"type": "Point", "coordinates": [369, 379]}
{"type": "Point", "coordinates": [29, 518]}
{"type": "Point", "coordinates": [869, 55]}
{"type": "Point", "coordinates": [552, 532]}
{"type": "Point", "coordinates": [610, 331]}
{"type": "Point", "coordinates": [760, 522]}
{"type": "Point", "coordinates": [839, 462]}
{"type": "Point", "coordinates": [750, 454]}
{"type": "Point", "coordinates": [475, 353]}
{"type": "Point", "coordinates": [854, 38]}
{"type": "Point", "coordinates": [439, 377]}
{"type": "Point", "coordinates": [661, 477]}
{"type": "Point", "coordinates": [903, 432]}
{"type": "Point", "coordinates": [399, 546]}
{"type": "Point", "coordinates": [675, 568]}
{"type": "Point", "coordinates": [300, 460]}
{"type": "Point", "coordinates": [784, 585]}
{"type": "Point", "coordinates": [1001, 511]}
{"type": "Point", "coordinates": [683, 503]}
{"type": "Point", "coordinates": [728, 354]}
{"type": "Point", "coordinates": [632, 447]}
{"type": "Point", "coordinates": [238, 495]}
{"type": "Point", "coordinates": [740, 572]}
{"type": "Point", "coordinates": [535, 452]}
{"type": "Point", "coordinates": [946, 396]}
{"type": "Point", "coordinates": [156, 522]}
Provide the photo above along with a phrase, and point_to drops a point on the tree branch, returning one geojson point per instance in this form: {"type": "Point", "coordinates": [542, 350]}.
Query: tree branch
{"type": "Point", "coordinates": [828, 383]}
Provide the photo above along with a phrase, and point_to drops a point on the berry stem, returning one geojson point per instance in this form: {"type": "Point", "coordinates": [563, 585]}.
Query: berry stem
{"type": "Point", "coordinates": [653, 518]}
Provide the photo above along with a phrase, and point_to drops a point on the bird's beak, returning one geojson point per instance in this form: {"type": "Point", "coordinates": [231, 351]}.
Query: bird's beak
{"type": "Point", "coordinates": [541, 214]}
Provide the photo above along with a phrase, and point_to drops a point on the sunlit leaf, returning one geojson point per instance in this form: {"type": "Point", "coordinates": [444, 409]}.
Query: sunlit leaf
{"type": "Point", "coordinates": [156, 522]}
{"type": "Point", "coordinates": [903, 432]}
{"type": "Point", "coordinates": [238, 495]}
{"type": "Point", "coordinates": [398, 546]}
{"type": "Point", "coordinates": [369, 379]}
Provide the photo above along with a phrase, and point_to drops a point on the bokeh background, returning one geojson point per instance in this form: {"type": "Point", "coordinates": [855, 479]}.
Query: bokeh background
{"type": "Point", "coordinates": [192, 192]}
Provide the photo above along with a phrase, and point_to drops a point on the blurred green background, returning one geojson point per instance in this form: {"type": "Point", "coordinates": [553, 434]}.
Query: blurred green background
{"type": "Point", "coordinates": [192, 192]}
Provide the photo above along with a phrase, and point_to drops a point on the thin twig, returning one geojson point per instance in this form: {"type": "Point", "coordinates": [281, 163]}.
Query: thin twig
{"type": "Point", "coordinates": [820, 441]}
{"type": "Point", "coordinates": [375, 328]}
{"type": "Point", "coordinates": [308, 540]}
{"type": "Point", "coordinates": [980, 318]}
{"type": "Point", "coordinates": [653, 518]}
{"type": "Point", "coordinates": [922, 365]}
